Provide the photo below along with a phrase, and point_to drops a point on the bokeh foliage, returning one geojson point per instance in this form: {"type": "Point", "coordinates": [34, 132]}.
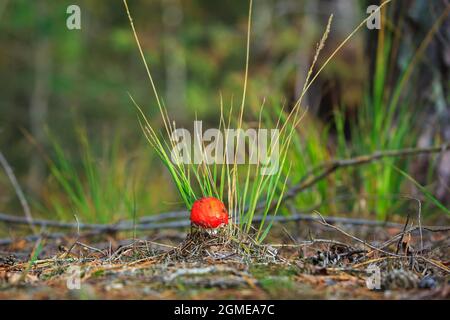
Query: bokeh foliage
{"type": "Point", "coordinates": [55, 81]}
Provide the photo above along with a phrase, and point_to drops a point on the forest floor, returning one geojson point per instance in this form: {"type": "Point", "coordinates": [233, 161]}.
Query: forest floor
{"type": "Point", "coordinates": [305, 260]}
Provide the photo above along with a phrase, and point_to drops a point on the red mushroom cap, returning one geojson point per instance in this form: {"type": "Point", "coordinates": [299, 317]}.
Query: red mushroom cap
{"type": "Point", "coordinates": [209, 212]}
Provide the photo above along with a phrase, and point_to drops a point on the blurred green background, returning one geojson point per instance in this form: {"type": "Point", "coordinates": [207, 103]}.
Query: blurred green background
{"type": "Point", "coordinates": [70, 133]}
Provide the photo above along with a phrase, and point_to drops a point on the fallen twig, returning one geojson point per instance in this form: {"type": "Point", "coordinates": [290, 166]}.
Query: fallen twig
{"type": "Point", "coordinates": [89, 247]}
{"type": "Point", "coordinates": [402, 234]}
{"type": "Point", "coordinates": [76, 240]}
{"type": "Point", "coordinates": [381, 250]}
{"type": "Point", "coordinates": [309, 243]}
{"type": "Point", "coordinates": [34, 238]}
{"type": "Point", "coordinates": [51, 223]}
{"type": "Point", "coordinates": [23, 201]}
{"type": "Point", "coordinates": [322, 171]}
{"type": "Point", "coordinates": [179, 224]}
{"type": "Point", "coordinates": [365, 243]}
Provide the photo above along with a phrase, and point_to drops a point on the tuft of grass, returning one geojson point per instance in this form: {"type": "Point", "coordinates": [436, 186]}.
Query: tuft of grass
{"type": "Point", "coordinates": [425, 191]}
{"type": "Point", "coordinates": [101, 187]}
{"type": "Point", "coordinates": [241, 189]}
{"type": "Point", "coordinates": [386, 121]}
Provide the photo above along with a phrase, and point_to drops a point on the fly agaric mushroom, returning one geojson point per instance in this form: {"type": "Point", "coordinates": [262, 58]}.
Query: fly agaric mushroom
{"type": "Point", "coordinates": [209, 212]}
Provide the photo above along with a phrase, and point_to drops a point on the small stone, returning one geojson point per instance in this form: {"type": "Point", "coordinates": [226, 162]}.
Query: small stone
{"type": "Point", "coordinates": [428, 282]}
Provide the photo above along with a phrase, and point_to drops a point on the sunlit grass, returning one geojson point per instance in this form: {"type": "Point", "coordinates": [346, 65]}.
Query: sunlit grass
{"type": "Point", "coordinates": [242, 194]}
{"type": "Point", "coordinates": [241, 191]}
{"type": "Point", "coordinates": [107, 184]}
{"type": "Point", "coordinates": [385, 121]}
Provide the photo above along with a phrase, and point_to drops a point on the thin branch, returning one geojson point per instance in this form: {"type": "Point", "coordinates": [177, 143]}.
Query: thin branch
{"type": "Point", "coordinates": [310, 243]}
{"type": "Point", "coordinates": [366, 244]}
{"type": "Point", "coordinates": [402, 234]}
{"type": "Point", "coordinates": [23, 201]}
{"type": "Point", "coordinates": [164, 216]}
{"type": "Point", "coordinates": [51, 223]}
{"type": "Point", "coordinates": [381, 249]}
{"type": "Point", "coordinates": [76, 240]}
{"type": "Point", "coordinates": [33, 238]}
{"type": "Point", "coordinates": [182, 223]}
{"type": "Point", "coordinates": [324, 170]}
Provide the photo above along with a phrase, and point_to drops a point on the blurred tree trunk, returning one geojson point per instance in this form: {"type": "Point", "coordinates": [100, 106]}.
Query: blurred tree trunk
{"type": "Point", "coordinates": [175, 60]}
{"type": "Point", "coordinates": [335, 87]}
{"type": "Point", "coordinates": [39, 102]}
{"type": "Point", "coordinates": [434, 90]}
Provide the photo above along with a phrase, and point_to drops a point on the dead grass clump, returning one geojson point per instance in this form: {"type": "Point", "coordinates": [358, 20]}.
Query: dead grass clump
{"type": "Point", "coordinates": [219, 245]}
